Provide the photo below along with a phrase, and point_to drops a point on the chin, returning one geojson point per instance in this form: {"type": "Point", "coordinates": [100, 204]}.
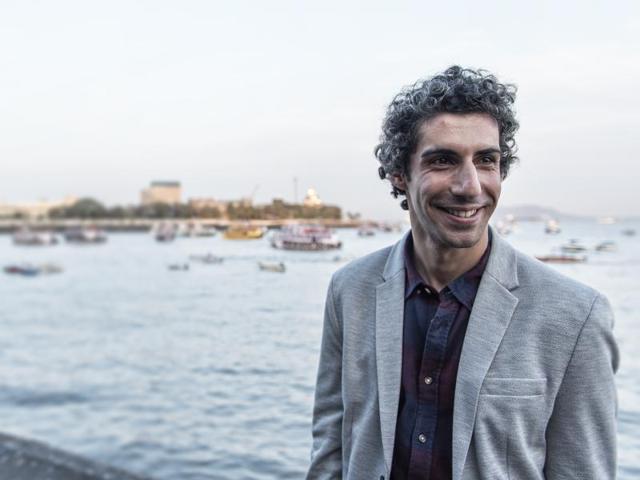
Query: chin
{"type": "Point", "coordinates": [460, 239]}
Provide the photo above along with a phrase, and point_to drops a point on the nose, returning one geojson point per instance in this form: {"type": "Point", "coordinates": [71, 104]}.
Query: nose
{"type": "Point", "coordinates": [466, 182]}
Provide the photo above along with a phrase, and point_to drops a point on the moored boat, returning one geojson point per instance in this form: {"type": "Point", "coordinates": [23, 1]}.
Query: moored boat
{"type": "Point", "coordinates": [243, 232]}
{"type": "Point", "coordinates": [27, 237]}
{"type": "Point", "coordinates": [179, 267]}
{"type": "Point", "coordinates": [366, 230]}
{"type": "Point", "coordinates": [197, 230]}
{"type": "Point", "coordinates": [29, 270]}
{"type": "Point", "coordinates": [562, 258]}
{"type": "Point", "coordinates": [607, 246]}
{"type": "Point", "coordinates": [209, 258]}
{"type": "Point", "coordinates": [573, 246]}
{"type": "Point", "coordinates": [277, 267]}
{"type": "Point", "coordinates": [306, 238]}
{"type": "Point", "coordinates": [85, 235]}
{"type": "Point", "coordinates": [552, 227]}
{"type": "Point", "coordinates": [164, 233]}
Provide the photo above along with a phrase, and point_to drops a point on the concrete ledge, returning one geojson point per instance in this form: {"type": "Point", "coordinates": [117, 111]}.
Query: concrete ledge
{"type": "Point", "coordinates": [28, 460]}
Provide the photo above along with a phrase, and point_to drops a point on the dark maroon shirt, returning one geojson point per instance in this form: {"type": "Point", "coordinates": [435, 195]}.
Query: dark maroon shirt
{"type": "Point", "coordinates": [434, 327]}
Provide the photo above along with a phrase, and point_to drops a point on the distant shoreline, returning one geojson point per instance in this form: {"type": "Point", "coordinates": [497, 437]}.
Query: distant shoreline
{"type": "Point", "coordinates": [146, 224]}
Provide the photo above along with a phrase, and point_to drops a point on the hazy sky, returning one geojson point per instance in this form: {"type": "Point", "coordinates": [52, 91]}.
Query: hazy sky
{"type": "Point", "coordinates": [100, 98]}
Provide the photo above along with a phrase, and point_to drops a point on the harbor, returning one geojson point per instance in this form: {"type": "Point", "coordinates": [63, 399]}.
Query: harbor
{"type": "Point", "coordinates": [147, 224]}
{"type": "Point", "coordinates": [124, 361]}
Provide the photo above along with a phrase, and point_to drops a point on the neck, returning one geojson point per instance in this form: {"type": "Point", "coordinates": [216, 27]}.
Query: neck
{"type": "Point", "coordinates": [439, 265]}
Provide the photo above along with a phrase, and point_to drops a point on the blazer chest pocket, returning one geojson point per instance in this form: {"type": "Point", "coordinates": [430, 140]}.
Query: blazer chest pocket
{"type": "Point", "coordinates": [513, 387]}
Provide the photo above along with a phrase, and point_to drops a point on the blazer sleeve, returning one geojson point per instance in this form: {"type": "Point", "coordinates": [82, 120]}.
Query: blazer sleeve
{"type": "Point", "coordinates": [326, 454]}
{"type": "Point", "coordinates": [581, 433]}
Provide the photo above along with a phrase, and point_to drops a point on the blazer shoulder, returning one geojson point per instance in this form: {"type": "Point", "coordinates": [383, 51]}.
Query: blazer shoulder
{"type": "Point", "coordinates": [535, 276]}
{"type": "Point", "coordinates": [361, 273]}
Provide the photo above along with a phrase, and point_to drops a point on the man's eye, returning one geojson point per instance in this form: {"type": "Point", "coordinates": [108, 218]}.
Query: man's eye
{"type": "Point", "coordinates": [442, 161]}
{"type": "Point", "coordinates": [488, 160]}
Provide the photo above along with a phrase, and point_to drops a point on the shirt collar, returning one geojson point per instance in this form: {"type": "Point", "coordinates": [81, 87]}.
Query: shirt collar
{"type": "Point", "coordinates": [464, 288]}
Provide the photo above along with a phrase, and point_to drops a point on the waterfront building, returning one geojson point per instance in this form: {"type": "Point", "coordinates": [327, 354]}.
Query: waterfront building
{"type": "Point", "coordinates": [312, 199]}
{"type": "Point", "coordinates": [208, 205]}
{"type": "Point", "coordinates": [168, 192]}
{"type": "Point", "coordinates": [34, 210]}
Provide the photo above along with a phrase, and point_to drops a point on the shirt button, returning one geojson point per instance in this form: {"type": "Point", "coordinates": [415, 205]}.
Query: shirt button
{"type": "Point", "coordinates": [428, 380]}
{"type": "Point", "coordinates": [422, 438]}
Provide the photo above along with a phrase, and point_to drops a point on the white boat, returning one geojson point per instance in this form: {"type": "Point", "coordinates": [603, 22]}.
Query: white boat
{"type": "Point", "coordinates": [562, 258]}
{"type": "Point", "coordinates": [607, 246]}
{"type": "Point", "coordinates": [552, 227]}
{"type": "Point", "coordinates": [573, 246]}
{"type": "Point", "coordinates": [164, 232]}
{"type": "Point", "coordinates": [367, 230]}
{"type": "Point", "coordinates": [209, 258]}
{"type": "Point", "coordinates": [26, 237]}
{"type": "Point", "coordinates": [305, 238]}
{"type": "Point", "coordinates": [85, 235]}
{"type": "Point", "coordinates": [196, 230]}
{"type": "Point", "coordinates": [179, 267]}
{"type": "Point", "coordinates": [277, 267]}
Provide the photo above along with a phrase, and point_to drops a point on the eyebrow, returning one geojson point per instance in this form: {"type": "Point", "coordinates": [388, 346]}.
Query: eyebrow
{"type": "Point", "coordinates": [447, 151]}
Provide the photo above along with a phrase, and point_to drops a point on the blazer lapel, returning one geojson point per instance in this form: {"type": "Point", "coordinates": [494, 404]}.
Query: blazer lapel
{"type": "Point", "coordinates": [492, 310]}
{"type": "Point", "coordinates": [389, 324]}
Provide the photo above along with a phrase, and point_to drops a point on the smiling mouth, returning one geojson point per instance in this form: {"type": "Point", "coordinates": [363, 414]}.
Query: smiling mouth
{"type": "Point", "coordinates": [460, 213]}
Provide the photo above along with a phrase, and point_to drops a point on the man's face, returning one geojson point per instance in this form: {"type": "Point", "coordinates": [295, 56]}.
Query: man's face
{"type": "Point", "coordinates": [454, 179]}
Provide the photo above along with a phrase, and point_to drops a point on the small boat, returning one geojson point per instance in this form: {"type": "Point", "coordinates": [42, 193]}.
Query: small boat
{"type": "Point", "coordinates": [206, 232]}
{"type": "Point", "coordinates": [607, 246]}
{"type": "Point", "coordinates": [388, 227]}
{"type": "Point", "coordinates": [562, 258]}
{"type": "Point", "coordinates": [503, 228]}
{"type": "Point", "coordinates": [50, 268]}
{"type": "Point", "coordinates": [26, 270]}
{"type": "Point", "coordinates": [29, 270]}
{"type": "Point", "coordinates": [209, 259]}
{"type": "Point", "coordinates": [306, 238]}
{"type": "Point", "coordinates": [366, 230]}
{"type": "Point", "coordinates": [243, 232]}
{"type": "Point", "coordinates": [278, 267]}
{"type": "Point", "coordinates": [628, 232]}
{"type": "Point", "coordinates": [165, 233]}
{"type": "Point", "coordinates": [574, 246]}
{"type": "Point", "coordinates": [179, 267]}
{"type": "Point", "coordinates": [197, 230]}
{"type": "Point", "coordinates": [85, 235]}
{"type": "Point", "coordinates": [552, 227]}
{"type": "Point", "coordinates": [27, 237]}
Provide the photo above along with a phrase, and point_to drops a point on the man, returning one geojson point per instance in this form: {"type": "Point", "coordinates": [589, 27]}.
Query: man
{"type": "Point", "coordinates": [450, 354]}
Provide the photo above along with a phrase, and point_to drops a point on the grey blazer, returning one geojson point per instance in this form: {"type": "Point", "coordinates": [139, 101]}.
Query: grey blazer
{"type": "Point", "coordinates": [535, 395]}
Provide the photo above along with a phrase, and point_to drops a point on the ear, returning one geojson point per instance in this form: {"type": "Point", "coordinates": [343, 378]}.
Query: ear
{"type": "Point", "coordinates": [398, 181]}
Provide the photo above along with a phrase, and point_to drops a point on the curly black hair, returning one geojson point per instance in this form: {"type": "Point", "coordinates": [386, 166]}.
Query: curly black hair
{"type": "Point", "coordinates": [456, 90]}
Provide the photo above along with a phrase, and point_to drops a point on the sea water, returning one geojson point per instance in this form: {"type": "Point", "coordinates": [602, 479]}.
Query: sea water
{"type": "Point", "coordinates": [209, 373]}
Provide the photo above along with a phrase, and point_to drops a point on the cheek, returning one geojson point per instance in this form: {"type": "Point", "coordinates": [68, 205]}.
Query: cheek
{"type": "Point", "coordinates": [493, 185]}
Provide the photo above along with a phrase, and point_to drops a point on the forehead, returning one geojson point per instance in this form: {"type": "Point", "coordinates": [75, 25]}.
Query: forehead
{"type": "Point", "coordinates": [459, 130]}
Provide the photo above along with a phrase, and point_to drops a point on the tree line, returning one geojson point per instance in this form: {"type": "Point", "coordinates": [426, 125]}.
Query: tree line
{"type": "Point", "coordinates": [89, 208]}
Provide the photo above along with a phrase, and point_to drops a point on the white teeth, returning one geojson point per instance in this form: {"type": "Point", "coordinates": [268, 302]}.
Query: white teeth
{"type": "Point", "coordinates": [462, 213]}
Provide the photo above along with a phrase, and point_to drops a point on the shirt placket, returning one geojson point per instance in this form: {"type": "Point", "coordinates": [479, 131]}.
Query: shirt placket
{"type": "Point", "coordinates": [428, 387]}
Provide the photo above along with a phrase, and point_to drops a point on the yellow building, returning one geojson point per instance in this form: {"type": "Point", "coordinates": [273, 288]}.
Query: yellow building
{"type": "Point", "coordinates": [208, 203]}
{"type": "Point", "coordinates": [161, 192]}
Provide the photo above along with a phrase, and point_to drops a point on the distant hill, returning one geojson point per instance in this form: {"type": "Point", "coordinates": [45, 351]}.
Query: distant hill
{"type": "Point", "coordinates": [535, 213]}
